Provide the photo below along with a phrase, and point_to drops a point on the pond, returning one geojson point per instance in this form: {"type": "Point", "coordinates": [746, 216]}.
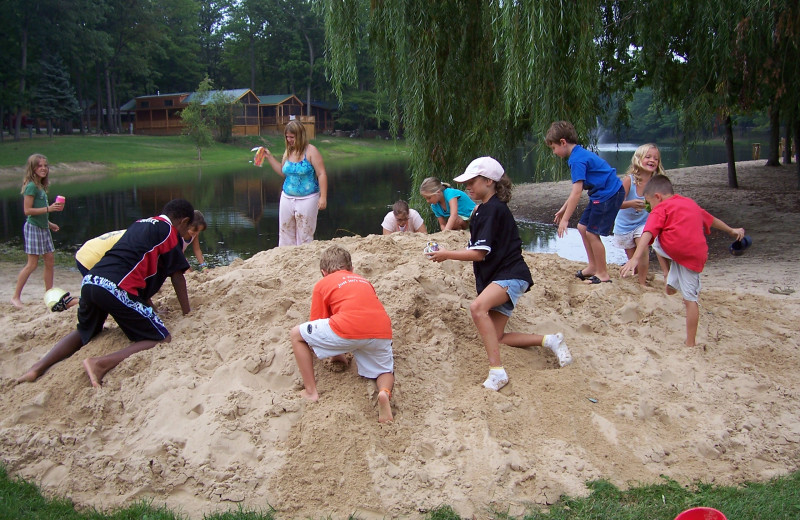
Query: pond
{"type": "Point", "coordinates": [240, 203]}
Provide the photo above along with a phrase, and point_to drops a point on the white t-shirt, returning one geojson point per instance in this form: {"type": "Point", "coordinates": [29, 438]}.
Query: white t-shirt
{"type": "Point", "coordinates": [414, 222]}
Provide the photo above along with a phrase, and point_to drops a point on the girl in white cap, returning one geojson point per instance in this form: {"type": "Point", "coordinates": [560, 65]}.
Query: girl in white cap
{"type": "Point", "coordinates": [501, 274]}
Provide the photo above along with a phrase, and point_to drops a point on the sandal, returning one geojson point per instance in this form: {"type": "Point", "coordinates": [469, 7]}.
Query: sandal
{"type": "Point", "coordinates": [593, 280]}
{"type": "Point", "coordinates": [580, 276]}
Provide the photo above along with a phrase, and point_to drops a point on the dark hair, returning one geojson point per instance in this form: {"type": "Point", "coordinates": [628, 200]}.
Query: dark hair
{"type": "Point", "coordinates": [503, 188]}
{"type": "Point", "coordinates": [177, 209]}
{"type": "Point", "coordinates": [659, 184]}
{"type": "Point", "coordinates": [400, 208]}
{"type": "Point", "coordinates": [199, 221]}
{"type": "Point", "coordinates": [561, 130]}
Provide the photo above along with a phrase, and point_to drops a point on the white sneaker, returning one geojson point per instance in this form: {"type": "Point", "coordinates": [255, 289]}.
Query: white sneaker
{"type": "Point", "coordinates": [497, 379]}
{"type": "Point", "coordinates": [555, 342]}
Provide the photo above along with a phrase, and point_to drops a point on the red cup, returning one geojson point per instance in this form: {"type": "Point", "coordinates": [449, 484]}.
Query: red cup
{"type": "Point", "coordinates": [60, 199]}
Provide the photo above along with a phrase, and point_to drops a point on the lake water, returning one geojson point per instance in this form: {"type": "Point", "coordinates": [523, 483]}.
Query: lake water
{"type": "Point", "coordinates": [240, 203]}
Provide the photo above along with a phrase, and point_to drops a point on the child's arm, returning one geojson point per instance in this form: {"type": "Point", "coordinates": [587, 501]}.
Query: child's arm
{"type": "Point", "coordinates": [179, 284]}
{"type": "Point", "coordinates": [315, 158]}
{"type": "Point", "coordinates": [451, 222]}
{"type": "Point", "coordinates": [563, 215]}
{"type": "Point", "coordinates": [442, 223]}
{"type": "Point", "coordinates": [637, 204]}
{"type": "Point", "coordinates": [421, 229]}
{"type": "Point", "coordinates": [638, 255]}
{"type": "Point", "coordinates": [197, 253]}
{"type": "Point", "coordinates": [29, 210]}
{"type": "Point", "coordinates": [737, 233]}
{"type": "Point", "coordinates": [464, 255]}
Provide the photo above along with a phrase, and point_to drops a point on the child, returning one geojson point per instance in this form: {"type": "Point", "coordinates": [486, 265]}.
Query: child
{"type": "Point", "coordinates": [127, 276]}
{"type": "Point", "coordinates": [93, 250]}
{"type": "Point", "coordinates": [452, 207]}
{"type": "Point", "coordinates": [629, 224]}
{"type": "Point", "coordinates": [198, 226]}
{"type": "Point", "coordinates": [402, 218]}
{"type": "Point", "coordinates": [501, 274]}
{"type": "Point", "coordinates": [588, 172]}
{"type": "Point", "coordinates": [680, 226]}
{"type": "Point", "coordinates": [346, 316]}
{"type": "Point", "coordinates": [37, 228]}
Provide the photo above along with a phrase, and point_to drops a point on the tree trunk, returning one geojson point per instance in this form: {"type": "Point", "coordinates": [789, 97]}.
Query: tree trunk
{"type": "Point", "coordinates": [310, 73]}
{"type": "Point", "coordinates": [98, 103]}
{"type": "Point", "coordinates": [797, 146]}
{"type": "Point", "coordinates": [79, 94]}
{"type": "Point", "coordinates": [732, 182]}
{"type": "Point", "coordinates": [252, 63]}
{"type": "Point", "coordinates": [774, 136]}
{"type": "Point", "coordinates": [787, 139]}
{"type": "Point", "coordinates": [110, 112]}
{"type": "Point", "coordinates": [22, 73]}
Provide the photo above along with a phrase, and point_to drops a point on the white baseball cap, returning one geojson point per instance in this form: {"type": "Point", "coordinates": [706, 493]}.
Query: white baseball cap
{"type": "Point", "coordinates": [484, 166]}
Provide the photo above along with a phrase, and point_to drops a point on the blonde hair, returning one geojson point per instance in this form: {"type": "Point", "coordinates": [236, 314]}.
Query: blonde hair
{"type": "Point", "coordinates": [297, 129]}
{"type": "Point", "coordinates": [636, 162]}
{"type": "Point", "coordinates": [30, 173]}
{"type": "Point", "coordinates": [432, 185]}
{"type": "Point", "coordinates": [335, 258]}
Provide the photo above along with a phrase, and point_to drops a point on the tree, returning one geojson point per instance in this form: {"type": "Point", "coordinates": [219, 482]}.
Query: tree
{"type": "Point", "coordinates": [196, 124]}
{"type": "Point", "coordinates": [53, 97]}
{"type": "Point", "coordinates": [470, 78]}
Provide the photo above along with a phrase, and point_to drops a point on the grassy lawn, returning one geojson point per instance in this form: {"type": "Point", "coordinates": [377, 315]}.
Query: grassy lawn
{"type": "Point", "coordinates": [778, 499]}
{"type": "Point", "coordinates": [125, 153]}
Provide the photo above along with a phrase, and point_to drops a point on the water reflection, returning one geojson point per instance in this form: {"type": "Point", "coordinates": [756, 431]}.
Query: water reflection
{"type": "Point", "coordinates": [240, 203]}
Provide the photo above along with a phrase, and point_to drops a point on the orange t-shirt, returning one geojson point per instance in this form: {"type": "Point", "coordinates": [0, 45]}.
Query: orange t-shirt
{"type": "Point", "coordinates": [352, 305]}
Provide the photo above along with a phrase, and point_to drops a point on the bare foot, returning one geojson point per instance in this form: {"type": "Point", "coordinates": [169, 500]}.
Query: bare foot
{"type": "Point", "coordinates": [384, 408]}
{"type": "Point", "coordinates": [16, 302]}
{"type": "Point", "coordinates": [28, 377]}
{"type": "Point", "coordinates": [90, 366]}
{"type": "Point", "coordinates": [311, 397]}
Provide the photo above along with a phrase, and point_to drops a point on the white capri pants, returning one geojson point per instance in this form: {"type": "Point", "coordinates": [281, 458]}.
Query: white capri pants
{"type": "Point", "coordinates": [297, 219]}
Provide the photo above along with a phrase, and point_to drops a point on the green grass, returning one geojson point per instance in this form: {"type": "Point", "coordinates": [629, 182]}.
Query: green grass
{"type": "Point", "coordinates": [777, 499]}
{"type": "Point", "coordinates": [125, 153]}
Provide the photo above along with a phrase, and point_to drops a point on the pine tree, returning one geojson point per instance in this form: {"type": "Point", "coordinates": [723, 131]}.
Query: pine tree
{"type": "Point", "coordinates": [53, 98]}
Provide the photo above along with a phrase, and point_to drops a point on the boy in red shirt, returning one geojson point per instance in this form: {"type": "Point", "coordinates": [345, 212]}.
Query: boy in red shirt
{"type": "Point", "coordinates": [346, 316]}
{"type": "Point", "coordinates": [679, 226]}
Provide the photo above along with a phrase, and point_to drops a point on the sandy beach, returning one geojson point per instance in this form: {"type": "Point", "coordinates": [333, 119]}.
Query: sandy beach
{"type": "Point", "coordinates": [212, 420]}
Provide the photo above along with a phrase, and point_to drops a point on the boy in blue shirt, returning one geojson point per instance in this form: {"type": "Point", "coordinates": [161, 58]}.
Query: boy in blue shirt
{"type": "Point", "coordinates": [606, 194]}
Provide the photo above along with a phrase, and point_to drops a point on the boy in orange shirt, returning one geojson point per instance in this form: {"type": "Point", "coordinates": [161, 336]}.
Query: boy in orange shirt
{"type": "Point", "coordinates": [346, 317]}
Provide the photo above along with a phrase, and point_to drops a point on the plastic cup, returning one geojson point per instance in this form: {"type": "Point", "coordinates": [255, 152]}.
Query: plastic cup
{"type": "Point", "coordinates": [60, 199]}
{"type": "Point", "coordinates": [701, 513]}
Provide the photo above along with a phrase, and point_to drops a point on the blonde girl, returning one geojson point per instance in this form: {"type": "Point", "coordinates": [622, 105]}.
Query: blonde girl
{"type": "Point", "coordinates": [37, 228]}
{"type": "Point", "coordinates": [305, 186]}
{"type": "Point", "coordinates": [629, 224]}
{"type": "Point", "coordinates": [451, 207]}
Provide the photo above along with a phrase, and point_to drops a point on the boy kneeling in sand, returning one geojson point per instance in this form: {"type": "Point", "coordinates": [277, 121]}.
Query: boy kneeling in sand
{"type": "Point", "coordinates": [346, 317]}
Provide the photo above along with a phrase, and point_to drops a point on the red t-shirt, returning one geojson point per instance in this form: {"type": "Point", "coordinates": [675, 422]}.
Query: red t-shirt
{"type": "Point", "coordinates": [352, 305]}
{"type": "Point", "coordinates": [681, 227]}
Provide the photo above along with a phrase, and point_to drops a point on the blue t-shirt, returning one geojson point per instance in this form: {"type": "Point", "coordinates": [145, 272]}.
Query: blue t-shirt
{"type": "Point", "coordinates": [465, 204]}
{"type": "Point", "coordinates": [301, 178]}
{"type": "Point", "coordinates": [598, 177]}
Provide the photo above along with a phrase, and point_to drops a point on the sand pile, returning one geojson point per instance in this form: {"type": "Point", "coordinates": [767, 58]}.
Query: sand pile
{"type": "Point", "coordinates": [212, 419]}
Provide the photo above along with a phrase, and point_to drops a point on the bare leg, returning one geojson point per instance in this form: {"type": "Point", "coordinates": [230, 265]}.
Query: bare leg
{"type": "Point", "coordinates": [97, 367]}
{"type": "Point", "coordinates": [597, 255]}
{"type": "Point", "coordinates": [644, 265]}
{"type": "Point", "coordinates": [692, 320]}
{"type": "Point", "coordinates": [664, 264]}
{"type": "Point", "coordinates": [304, 357]}
{"type": "Point", "coordinates": [385, 384]}
{"type": "Point", "coordinates": [492, 296]}
{"type": "Point", "coordinates": [49, 270]}
{"type": "Point", "coordinates": [22, 278]}
{"type": "Point", "coordinates": [591, 268]}
{"type": "Point", "coordinates": [65, 347]}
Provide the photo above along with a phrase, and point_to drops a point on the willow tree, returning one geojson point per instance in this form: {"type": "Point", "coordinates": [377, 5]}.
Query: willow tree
{"type": "Point", "coordinates": [472, 77]}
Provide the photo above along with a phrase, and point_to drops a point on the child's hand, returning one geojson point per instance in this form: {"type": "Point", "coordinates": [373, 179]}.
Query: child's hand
{"type": "Point", "coordinates": [437, 256]}
{"type": "Point", "coordinates": [54, 227]}
{"type": "Point", "coordinates": [56, 206]}
{"type": "Point", "coordinates": [558, 215]}
{"type": "Point", "coordinates": [737, 233]}
{"type": "Point", "coordinates": [629, 267]}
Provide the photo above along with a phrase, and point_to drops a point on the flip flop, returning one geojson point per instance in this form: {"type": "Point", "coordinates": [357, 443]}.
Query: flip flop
{"type": "Point", "coordinates": [593, 280]}
{"type": "Point", "coordinates": [580, 276]}
{"type": "Point", "coordinates": [782, 290]}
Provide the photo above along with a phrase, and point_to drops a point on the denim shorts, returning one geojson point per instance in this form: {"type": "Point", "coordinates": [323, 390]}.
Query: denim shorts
{"type": "Point", "coordinates": [599, 217]}
{"type": "Point", "coordinates": [515, 289]}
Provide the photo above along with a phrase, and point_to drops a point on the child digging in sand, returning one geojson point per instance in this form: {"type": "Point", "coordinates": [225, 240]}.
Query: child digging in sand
{"type": "Point", "coordinates": [346, 317]}
{"type": "Point", "coordinates": [680, 226]}
{"type": "Point", "coordinates": [501, 274]}
{"type": "Point", "coordinates": [127, 276]}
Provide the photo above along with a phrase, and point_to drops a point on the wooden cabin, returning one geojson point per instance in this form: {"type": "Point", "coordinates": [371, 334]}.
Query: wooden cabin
{"type": "Point", "coordinates": [159, 114]}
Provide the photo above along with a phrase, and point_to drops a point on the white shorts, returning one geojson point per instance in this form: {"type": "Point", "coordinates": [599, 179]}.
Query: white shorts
{"type": "Point", "coordinates": [627, 240]}
{"type": "Point", "coordinates": [679, 277]}
{"type": "Point", "coordinates": [373, 355]}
